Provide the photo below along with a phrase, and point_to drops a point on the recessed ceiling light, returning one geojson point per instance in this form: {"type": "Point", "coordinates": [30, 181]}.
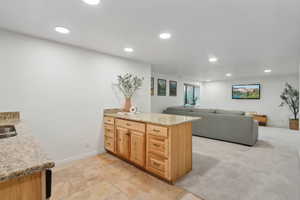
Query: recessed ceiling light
{"type": "Point", "coordinates": [62, 30]}
{"type": "Point", "coordinates": [128, 49]}
{"type": "Point", "coordinates": [91, 2]}
{"type": "Point", "coordinates": [213, 59]}
{"type": "Point", "coordinates": [268, 70]}
{"type": "Point", "coordinates": [228, 74]}
{"type": "Point", "coordinates": [165, 36]}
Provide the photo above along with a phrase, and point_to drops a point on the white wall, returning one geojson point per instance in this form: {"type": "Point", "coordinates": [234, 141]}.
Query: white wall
{"type": "Point", "coordinates": [218, 95]}
{"type": "Point", "coordinates": [62, 90]}
{"type": "Point", "coordinates": [159, 103]}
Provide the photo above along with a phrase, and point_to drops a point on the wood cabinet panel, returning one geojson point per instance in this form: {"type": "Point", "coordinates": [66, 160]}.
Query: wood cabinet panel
{"type": "Point", "coordinates": [158, 165]}
{"type": "Point", "coordinates": [109, 120]}
{"type": "Point", "coordinates": [261, 119]}
{"type": "Point", "coordinates": [165, 151]}
{"type": "Point", "coordinates": [181, 151]}
{"type": "Point", "coordinates": [24, 188]}
{"type": "Point", "coordinates": [157, 130]}
{"type": "Point", "coordinates": [137, 126]}
{"type": "Point", "coordinates": [123, 139]}
{"type": "Point", "coordinates": [158, 145]}
{"type": "Point", "coordinates": [137, 144]}
{"type": "Point", "coordinates": [109, 131]}
{"type": "Point", "coordinates": [110, 144]}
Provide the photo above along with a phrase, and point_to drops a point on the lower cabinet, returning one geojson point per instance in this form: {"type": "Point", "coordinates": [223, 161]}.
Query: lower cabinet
{"type": "Point", "coordinates": [28, 187]}
{"type": "Point", "coordinates": [165, 151]}
{"type": "Point", "coordinates": [131, 145]}
{"type": "Point", "coordinates": [158, 165]}
{"type": "Point", "coordinates": [138, 148]}
{"type": "Point", "coordinates": [123, 142]}
{"type": "Point", "coordinates": [109, 144]}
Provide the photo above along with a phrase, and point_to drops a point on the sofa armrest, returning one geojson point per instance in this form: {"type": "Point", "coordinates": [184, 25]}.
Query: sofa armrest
{"type": "Point", "coordinates": [255, 131]}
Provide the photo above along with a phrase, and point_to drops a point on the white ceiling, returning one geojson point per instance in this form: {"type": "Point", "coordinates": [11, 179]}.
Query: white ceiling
{"type": "Point", "coordinates": [246, 35]}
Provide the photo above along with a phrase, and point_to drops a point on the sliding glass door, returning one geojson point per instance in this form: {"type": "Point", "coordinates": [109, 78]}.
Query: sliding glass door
{"type": "Point", "coordinates": [191, 94]}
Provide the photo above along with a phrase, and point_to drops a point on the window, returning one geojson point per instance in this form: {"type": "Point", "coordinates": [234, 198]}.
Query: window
{"type": "Point", "coordinates": [191, 94]}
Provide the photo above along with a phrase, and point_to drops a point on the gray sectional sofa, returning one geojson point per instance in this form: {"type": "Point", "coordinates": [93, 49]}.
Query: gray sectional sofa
{"type": "Point", "coordinates": [226, 125]}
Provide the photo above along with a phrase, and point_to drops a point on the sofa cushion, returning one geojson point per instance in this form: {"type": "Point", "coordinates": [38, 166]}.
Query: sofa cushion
{"type": "Point", "coordinates": [230, 112]}
{"type": "Point", "coordinates": [181, 108]}
{"type": "Point", "coordinates": [204, 110]}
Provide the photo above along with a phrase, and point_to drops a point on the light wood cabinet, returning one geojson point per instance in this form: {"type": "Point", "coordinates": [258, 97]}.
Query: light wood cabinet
{"type": "Point", "coordinates": [157, 130]}
{"type": "Point", "coordinates": [165, 151]}
{"type": "Point", "coordinates": [137, 126]}
{"type": "Point", "coordinates": [158, 165]}
{"type": "Point", "coordinates": [158, 145]}
{"type": "Point", "coordinates": [123, 139]}
{"type": "Point", "coordinates": [109, 120]}
{"type": "Point", "coordinates": [29, 187]}
{"type": "Point", "coordinates": [261, 119]}
{"type": "Point", "coordinates": [137, 153]}
{"type": "Point", "coordinates": [109, 136]}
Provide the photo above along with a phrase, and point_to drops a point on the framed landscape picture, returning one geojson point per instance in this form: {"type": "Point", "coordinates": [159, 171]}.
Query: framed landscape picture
{"type": "Point", "coordinates": [152, 86]}
{"type": "Point", "coordinates": [161, 87]}
{"type": "Point", "coordinates": [246, 91]}
{"type": "Point", "coordinates": [173, 88]}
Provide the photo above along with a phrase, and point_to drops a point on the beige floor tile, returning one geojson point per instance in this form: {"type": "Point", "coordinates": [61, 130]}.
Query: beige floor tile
{"type": "Point", "coordinates": [105, 177]}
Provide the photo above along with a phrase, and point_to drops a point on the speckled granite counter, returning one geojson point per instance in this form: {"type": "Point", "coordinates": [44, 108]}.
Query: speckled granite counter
{"type": "Point", "coordinates": [155, 118]}
{"type": "Point", "coordinates": [21, 155]}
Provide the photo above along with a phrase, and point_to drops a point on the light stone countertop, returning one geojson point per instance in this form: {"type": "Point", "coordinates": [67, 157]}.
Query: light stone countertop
{"type": "Point", "coordinates": [21, 155]}
{"type": "Point", "coordinates": [155, 118]}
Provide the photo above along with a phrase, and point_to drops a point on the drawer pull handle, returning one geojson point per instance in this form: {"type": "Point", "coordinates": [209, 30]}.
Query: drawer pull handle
{"type": "Point", "coordinates": [156, 145]}
{"type": "Point", "coordinates": [156, 164]}
{"type": "Point", "coordinates": [156, 130]}
{"type": "Point", "coordinates": [108, 143]}
{"type": "Point", "coordinates": [127, 124]}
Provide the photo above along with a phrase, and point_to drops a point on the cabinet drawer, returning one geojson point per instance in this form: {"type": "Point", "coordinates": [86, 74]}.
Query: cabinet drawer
{"type": "Point", "coordinates": [157, 130]}
{"type": "Point", "coordinates": [109, 131]}
{"type": "Point", "coordinates": [109, 144]}
{"type": "Point", "coordinates": [131, 125]}
{"type": "Point", "coordinates": [109, 120]}
{"type": "Point", "coordinates": [158, 165]}
{"type": "Point", "coordinates": [158, 145]}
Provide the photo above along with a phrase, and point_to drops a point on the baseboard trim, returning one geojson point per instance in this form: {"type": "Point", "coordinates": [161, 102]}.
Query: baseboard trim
{"type": "Point", "coordinates": [78, 157]}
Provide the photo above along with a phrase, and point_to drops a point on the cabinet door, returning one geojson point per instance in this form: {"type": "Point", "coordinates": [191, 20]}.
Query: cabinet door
{"type": "Point", "coordinates": [123, 142]}
{"type": "Point", "coordinates": [137, 142]}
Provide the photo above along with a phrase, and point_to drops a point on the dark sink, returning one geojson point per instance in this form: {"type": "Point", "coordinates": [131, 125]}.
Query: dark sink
{"type": "Point", "coordinates": [7, 131]}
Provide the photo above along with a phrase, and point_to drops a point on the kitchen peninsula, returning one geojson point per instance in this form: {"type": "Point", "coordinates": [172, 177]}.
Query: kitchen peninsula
{"type": "Point", "coordinates": [158, 143]}
{"type": "Point", "coordinates": [24, 173]}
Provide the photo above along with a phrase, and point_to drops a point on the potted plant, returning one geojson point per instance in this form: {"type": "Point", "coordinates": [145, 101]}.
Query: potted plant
{"type": "Point", "coordinates": [290, 97]}
{"type": "Point", "coordinates": [128, 84]}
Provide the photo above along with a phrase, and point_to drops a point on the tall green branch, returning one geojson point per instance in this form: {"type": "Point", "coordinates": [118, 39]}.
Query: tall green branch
{"type": "Point", "coordinates": [128, 84]}
{"type": "Point", "coordinates": [290, 97]}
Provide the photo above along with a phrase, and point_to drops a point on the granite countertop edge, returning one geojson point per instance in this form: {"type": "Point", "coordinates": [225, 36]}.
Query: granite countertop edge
{"type": "Point", "coordinates": [131, 117]}
{"type": "Point", "coordinates": [19, 152]}
{"type": "Point", "coordinates": [27, 171]}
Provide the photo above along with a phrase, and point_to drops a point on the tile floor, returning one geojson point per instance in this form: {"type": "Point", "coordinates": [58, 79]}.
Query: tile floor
{"type": "Point", "coordinates": [105, 177]}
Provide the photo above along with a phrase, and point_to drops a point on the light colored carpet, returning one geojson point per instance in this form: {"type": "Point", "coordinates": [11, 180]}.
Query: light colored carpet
{"type": "Point", "coordinates": [225, 171]}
